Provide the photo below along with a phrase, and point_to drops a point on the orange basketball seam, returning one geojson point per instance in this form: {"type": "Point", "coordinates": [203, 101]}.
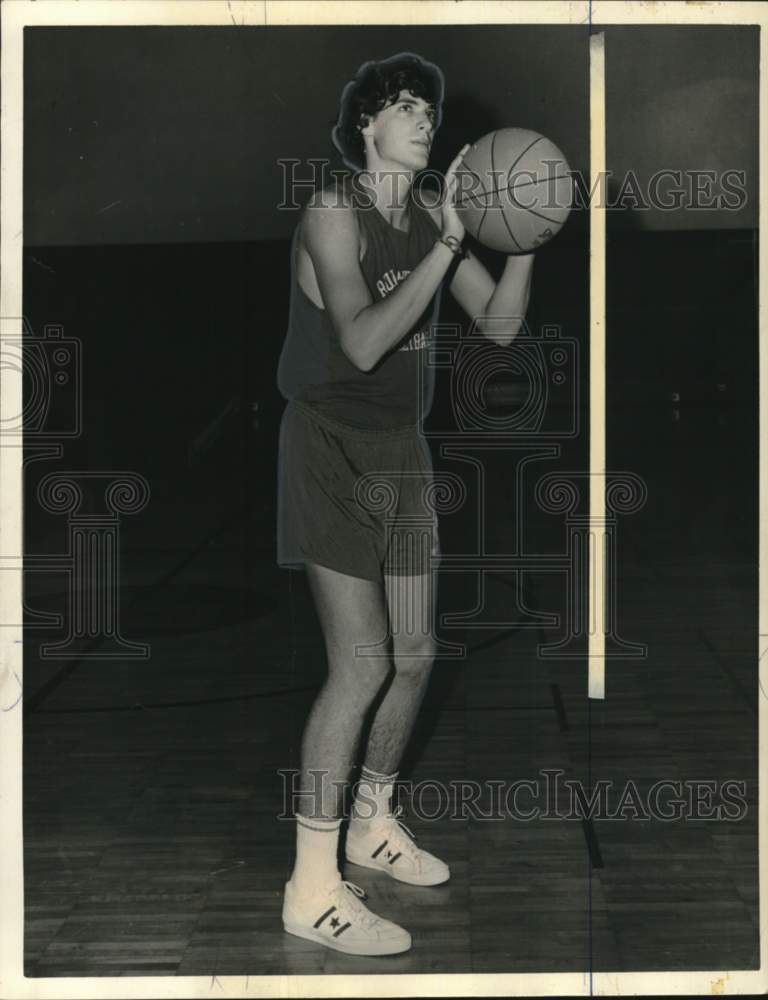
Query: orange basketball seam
{"type": "Point", "coordinates": [537, 139]}
{"type": "Point", "coordinates": [525, 208]}
{"type": "Point", "coordinates": [493, 171]}
{"type": "Point", "coordinates": [498, 190]}
{"type": "Point", "coordinates": [485, 207]}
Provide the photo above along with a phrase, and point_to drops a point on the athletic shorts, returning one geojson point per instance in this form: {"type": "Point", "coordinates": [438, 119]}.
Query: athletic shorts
{"type": "Point", "coordinates": [356, 501]}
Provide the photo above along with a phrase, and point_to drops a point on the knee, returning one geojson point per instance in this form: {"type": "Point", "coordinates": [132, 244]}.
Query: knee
{"type": "Point", "coordinates": [414, 657]}
{"type": "Point", "coordinates": [360, 681]}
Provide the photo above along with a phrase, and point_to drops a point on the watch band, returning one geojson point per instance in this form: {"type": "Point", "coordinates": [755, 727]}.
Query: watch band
{"type": "Point", "coordinates": [453, 244]}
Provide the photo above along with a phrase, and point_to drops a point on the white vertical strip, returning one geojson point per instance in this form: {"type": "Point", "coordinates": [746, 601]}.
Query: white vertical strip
{"type": "Point", "coordinates": [762, 626]}
{"type": "Point", "coordinates": [596, 589]}
{"type": "Point", "coordinates": [11, 541]}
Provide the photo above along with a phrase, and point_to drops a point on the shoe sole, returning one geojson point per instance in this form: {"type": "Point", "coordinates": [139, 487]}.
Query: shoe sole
{"type": "Point", "coordinates": [365, 862]}
{"type": "Point", "coordinates": [311, 935]}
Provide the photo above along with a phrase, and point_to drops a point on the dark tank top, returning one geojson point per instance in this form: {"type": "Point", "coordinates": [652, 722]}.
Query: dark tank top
{"type": "Point", "coordinates": [313, 368]}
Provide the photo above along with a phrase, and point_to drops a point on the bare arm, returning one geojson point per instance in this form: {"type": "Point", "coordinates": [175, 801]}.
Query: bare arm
{"type": "Point", "coordinates": [504, 302]}
{"type": "Point", "coordinates": [366, 329]}
{"type": "Point", "coordinates": [505, 311]}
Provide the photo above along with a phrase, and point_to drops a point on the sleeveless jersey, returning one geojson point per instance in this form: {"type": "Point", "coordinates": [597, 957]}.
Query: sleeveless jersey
{"type": "Point", "coordinates": [313, 368]}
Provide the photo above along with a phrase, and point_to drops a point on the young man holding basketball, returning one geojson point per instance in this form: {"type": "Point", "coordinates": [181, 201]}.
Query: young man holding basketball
{"type": "Point", "coordinates": [367, 263]}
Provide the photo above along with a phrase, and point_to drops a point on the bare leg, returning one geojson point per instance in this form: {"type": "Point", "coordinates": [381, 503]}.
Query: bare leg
{"type": "Point", "coordinates": [376, 838]}
{"type": "Point", "coordinates": [352, 613]}
{"type": "Point", "coordinates": [410, 602]}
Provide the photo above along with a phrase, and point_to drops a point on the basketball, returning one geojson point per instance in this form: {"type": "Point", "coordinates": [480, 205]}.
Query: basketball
{"type": "Point", "coordinates": [514, 190]}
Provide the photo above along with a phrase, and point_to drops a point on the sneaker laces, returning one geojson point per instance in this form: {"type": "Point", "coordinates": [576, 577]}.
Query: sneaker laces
{"type": "Point", "coordinates": [396, 817]}
{"type": "Point", "coordinates": [405, 845]}
{"type": "Point", "coordinates": [351, 900]}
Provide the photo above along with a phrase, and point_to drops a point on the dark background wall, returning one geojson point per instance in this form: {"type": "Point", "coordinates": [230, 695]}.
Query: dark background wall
{"type": "Point", "coordinates": [683, 98]}
{"type": "Point", "coordinates": [173, 135]}
{"type": "Point", "coordinates": [179, 130]}
{"type": "Point", "coordinates": [152, 234]}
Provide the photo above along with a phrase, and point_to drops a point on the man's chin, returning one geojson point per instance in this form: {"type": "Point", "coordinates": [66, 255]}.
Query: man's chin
{"type": "Point", "coordinates": [407, 166]}
{"type": "Point", "coordinates": [415, 162]}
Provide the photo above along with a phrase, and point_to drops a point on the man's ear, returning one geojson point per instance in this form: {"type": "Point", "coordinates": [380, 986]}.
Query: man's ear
{"type": "Point", "coordinates": [366, 125]}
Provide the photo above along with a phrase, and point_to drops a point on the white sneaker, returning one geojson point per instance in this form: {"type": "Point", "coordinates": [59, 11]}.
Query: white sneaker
{"type": "Point", "coordinates": [338, 919]}
{"type": "Point", "coordinates": [388, 845]}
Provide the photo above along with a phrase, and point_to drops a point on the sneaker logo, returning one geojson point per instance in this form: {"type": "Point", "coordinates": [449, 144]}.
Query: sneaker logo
{"type": "Point", "coordinates": [334, 922]}
{"type": "Point", "coordinates": [324, 917]}
{"type": "Point", "coordinates": [379, 849]}
{"type": "Point", "coordinates": [391, 856]}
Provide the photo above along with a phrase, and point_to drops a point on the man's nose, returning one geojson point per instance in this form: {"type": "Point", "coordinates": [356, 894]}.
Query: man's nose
{"type": "Point", "coordinates": [425, 125]}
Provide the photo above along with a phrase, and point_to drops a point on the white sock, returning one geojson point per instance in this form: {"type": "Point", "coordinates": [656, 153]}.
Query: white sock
{"type": "Point", "coordinates": [316, 868]}
{"type": "Point", "coordinates": [373, 799]}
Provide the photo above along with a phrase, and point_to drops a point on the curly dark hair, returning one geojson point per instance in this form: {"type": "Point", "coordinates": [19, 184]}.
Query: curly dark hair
{"type": "Point", "coordinates": [375, 85]}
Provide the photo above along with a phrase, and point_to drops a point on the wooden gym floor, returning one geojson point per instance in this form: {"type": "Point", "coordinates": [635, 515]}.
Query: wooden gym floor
{"type": "Point", "coordinates": [151, 789]}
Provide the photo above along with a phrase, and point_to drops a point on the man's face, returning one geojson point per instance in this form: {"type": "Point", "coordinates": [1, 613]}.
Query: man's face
{"type": "Point", "coordinates": [402, 131]}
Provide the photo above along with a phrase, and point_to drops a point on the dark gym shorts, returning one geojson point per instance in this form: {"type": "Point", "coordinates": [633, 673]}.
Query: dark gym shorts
{"type": "Point", "coordinates": [356, 501]}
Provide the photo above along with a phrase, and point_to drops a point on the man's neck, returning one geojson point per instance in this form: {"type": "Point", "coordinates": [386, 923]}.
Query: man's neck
{"type": "Point", "coordinates": [389, 189]}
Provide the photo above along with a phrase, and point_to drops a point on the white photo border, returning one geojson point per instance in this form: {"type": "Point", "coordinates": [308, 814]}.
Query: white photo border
{"type": "Point", "coordinates": [16, 14]}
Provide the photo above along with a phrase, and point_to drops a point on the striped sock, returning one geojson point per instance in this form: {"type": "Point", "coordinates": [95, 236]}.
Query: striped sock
{"type": "Point", "coordinates": [317, 844]}
{"type": "Point", "coordinates": [373, 799]}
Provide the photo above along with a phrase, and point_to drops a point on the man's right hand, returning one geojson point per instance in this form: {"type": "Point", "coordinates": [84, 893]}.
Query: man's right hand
{"type": "Point", "coordinates": [452, 224]}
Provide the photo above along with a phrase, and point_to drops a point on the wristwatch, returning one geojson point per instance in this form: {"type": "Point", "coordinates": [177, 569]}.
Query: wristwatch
{"type": "Point", "coordinates": [454, 245]}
